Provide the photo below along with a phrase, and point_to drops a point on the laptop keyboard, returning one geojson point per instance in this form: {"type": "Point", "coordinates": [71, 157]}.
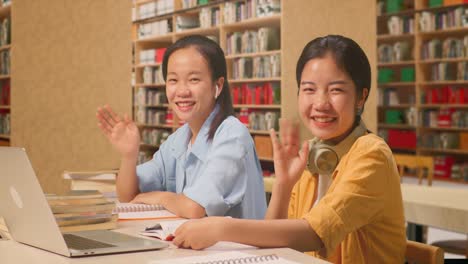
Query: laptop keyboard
{"type": "Point", "coordinates": [82, 243]}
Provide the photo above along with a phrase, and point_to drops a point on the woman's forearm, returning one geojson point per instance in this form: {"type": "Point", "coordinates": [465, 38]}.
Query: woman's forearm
{"type": "Point", "coordinates": [279, 202]}
{"type": "Point", "coordinates": [127, 181]}
{"type": "Point", "coordinates": [296, 234]}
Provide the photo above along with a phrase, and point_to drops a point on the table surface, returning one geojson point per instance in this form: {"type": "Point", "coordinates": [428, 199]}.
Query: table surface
{"type": "Point", "coordinates": [13, 252]}
{"type": "Point", "coordinates": [441, 207]}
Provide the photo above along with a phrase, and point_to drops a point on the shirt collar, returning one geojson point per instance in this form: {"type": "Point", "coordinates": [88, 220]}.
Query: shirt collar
{"type": "Point", "coordinates": [199, 147]}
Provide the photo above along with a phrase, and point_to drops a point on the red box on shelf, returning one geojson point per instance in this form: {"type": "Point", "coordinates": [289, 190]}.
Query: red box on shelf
{"type": "Point", "coordinates": [236, 95]}
{"type": "Point", "coordinates": [159, 55]}
{"type": "Point", "coordinates": [401, 139]}
{"type": "Point", "coordinates": [268, 92]}
{"type": "Point", "coordinates": [443, 166]}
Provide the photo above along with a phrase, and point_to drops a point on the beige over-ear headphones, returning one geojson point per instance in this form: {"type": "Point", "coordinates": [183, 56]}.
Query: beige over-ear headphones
{"type": "Point", "coordinates": [325, 156]}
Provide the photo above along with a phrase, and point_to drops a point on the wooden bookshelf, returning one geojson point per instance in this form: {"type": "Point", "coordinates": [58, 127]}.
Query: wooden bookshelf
{"type": "Point", "coordinates": [221, 32]}
{"type": "Point", "coordinates": [5, 13]}
{"type": "Point", "coordinates": [256, 54]}
{"type": "Point", "coordinates": [423, 83]}
{"type": "Point", "coordinates": [396, 64]}
{"type": "Point", "coordinates": [237, 106]}
{"type": "Point", "coordinates": [255, 80]}
{"type": "Point", "coordinates": [429, 61]}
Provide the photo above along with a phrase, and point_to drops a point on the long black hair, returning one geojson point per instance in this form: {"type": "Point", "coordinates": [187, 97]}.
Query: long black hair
{"type": "Point", "coordinates": [348, 56]}
{"type": "Point", "coordinates": [214, 56]}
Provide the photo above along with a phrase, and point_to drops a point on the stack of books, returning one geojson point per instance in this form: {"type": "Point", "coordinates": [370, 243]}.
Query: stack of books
{"type": "Point", "coordinates": [102, 181]}
{"type": "Point", "coordinates": [83, 210]}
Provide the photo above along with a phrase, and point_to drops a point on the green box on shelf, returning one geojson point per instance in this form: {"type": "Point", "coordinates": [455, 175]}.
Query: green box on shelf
{"type": "Point", "coordinates": [202, 2]}
{"type": "Point", "coordinates": [393, 117]}
{"type": "Point", "coordinates": [394, 6]}
{"type": "Point", "coordinates": [385, 75]}
{"type": "Point", "coordinates": [407, 74]}
{"type": "Point", "coordinates": [436, 3]}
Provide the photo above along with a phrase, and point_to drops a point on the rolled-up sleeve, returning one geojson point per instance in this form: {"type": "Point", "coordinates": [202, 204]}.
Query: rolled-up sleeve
{"type": "Point", "coordinates": [223, 180]}
{"type": "Point", "coordinates": [357, 199]}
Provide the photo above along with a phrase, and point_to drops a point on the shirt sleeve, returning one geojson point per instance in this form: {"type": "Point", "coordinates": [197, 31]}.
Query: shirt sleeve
{"type": "Point", "coordinates": [223, 180]}
{"type": "Point", "coordinates": [356, 200]}
{"type": "Point", "coordinates": [151, 174]}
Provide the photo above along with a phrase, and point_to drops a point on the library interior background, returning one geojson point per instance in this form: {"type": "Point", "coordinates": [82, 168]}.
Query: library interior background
{"type": "Point", "coordinates": [60, 60]}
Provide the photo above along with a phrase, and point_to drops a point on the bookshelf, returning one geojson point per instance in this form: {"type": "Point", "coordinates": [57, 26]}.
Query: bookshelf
{"type": "Point", "coordinates": [423, 81]}
{"type": "Point", "coordinates": [223, 21]}
{"type": "Point", "coordinates": [5, 48]}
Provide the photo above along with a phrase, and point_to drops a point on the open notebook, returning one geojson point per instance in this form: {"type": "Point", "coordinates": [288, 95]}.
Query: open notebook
{"type": "Point", "coordinates": [131, 211]}
{"type": "Point", "coordinates": [228, 257]}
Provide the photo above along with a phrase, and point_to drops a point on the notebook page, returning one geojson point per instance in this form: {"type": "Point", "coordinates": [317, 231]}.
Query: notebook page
{"type": "Point", "coordinates": [146, 215]}
{"type": "Point", "coordinates": [234, 256]}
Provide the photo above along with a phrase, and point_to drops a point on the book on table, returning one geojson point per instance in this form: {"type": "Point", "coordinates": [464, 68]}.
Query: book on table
{"type": "Point", "coordinates": [134, 211]}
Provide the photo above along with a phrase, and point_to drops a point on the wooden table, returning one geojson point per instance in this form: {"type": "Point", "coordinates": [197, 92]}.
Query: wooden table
{"type": "Point", "coordinates": [13, 252]}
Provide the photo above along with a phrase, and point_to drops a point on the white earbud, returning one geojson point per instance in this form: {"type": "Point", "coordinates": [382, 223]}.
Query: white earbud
{"type": "Point", "coordinates": [216, 93]}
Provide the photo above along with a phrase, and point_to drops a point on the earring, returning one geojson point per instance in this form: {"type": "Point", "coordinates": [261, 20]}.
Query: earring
{"type": "Point", "coordinates": [216, 93]}
{"type": "Point", "coordinates": [359, 111]}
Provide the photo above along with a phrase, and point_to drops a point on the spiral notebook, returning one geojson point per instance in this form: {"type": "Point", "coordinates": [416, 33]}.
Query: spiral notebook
{"type": "Point", "coordinates": [231, 257]}
{"type": "Point", "coordinates": [132, 211]}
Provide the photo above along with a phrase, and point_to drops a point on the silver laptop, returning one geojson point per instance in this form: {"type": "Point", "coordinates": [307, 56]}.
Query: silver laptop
{"type": "Point", "coordinates": [30, 220]}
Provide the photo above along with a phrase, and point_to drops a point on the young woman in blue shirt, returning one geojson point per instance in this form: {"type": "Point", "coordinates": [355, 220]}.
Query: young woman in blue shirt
{"type": "Point", "coordinates": [207, 167]}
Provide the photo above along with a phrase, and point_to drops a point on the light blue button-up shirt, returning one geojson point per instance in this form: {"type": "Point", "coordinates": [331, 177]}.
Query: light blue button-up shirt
{"type": "Point", "coordinates": [223, 175]}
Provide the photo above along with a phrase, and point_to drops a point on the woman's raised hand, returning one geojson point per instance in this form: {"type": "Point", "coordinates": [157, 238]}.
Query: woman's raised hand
{"type": "Point", "coordinates": [122, 133]}
{"type": "Point", "coordinates": [289, 159]}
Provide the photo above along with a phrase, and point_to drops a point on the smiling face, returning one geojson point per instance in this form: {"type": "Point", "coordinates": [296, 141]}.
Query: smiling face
{"type": "Point", "coordinates": [189, 86]}
{"type": "Point", "coordinates": [327, 99]}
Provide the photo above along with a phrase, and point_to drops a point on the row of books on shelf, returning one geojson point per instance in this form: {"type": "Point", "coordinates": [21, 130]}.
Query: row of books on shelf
{"type": "Point", "coordinates": [238, 11]}
{"type": "Point", "coordinates": [447, 117]}
{"type": "Point", "coordinates": [5, 123]}
{"type": "Point", "coordinates": [5, 62]}
{"type": "Point", "coordinates": [150, 97]}
{"type": "Point", "coordinates": [258, 120]}
{"type": "Point", "coordinates": [152, 9]}
{"type": "Point", "coordinates": [444, 140]}
{"type": "Point", "coordinates": [445, 71]}
{"type": "Point", "coordinates": [5, 92]}
{"type": "Point", "coordinates": [6, 2]}
{"type": "Point", "coordinates": [152, 116]}
{"type": "Point", "coordinates": [187, 22]}
{"type": "Point", "coordinates": [152, 75]}
{"type": "Point", "coordinates": [210, 17]}
{"type": "Point", "coordinates": [400, 25]}
{"type": "Point", "coordinates": [446, 48]}
{"type": "Point", "coordinates": [448, 167]}
{"type": "Point", "coordinates": [257, 67]}
{"type": "Point", "coordinates": [385, 75]}
{"type": "Point", "coordinates": [152, 136]}
{"type": "Point", "coordinates": [445, 95]}
{"type": "Point", "coordinates": [267, 93]}
{"type": "Point", "coordinates": [401, 117]}
{"type": "Point", "coordinates": [392, 6]}
{"type": "Point", "coordinates": [152, 55]}
{"type": "Point", "coordinates": [398, 51]}
{"type": "Point", "coordinates": [5, 31]}
{"type": "Point", "coordinates": [391, 97]}
{"type": "Point", "coordinates": [250, 41]}
{"type": "Point", "coordinates": [431, 118]}
{"type": "Point", "coordinates": [430, 21]}
{"type": "Point", "coordinates": [156, 28]}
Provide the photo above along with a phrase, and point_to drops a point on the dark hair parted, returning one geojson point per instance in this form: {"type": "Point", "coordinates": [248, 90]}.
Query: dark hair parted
{"type": "Point", "coordinates": [214, 56]}
{"type": "Point", "coordinates": [348, 56]}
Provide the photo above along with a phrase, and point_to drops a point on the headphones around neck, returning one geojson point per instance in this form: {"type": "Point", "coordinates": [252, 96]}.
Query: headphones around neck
{"type": "Point", "coordinates": [325, 156]}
